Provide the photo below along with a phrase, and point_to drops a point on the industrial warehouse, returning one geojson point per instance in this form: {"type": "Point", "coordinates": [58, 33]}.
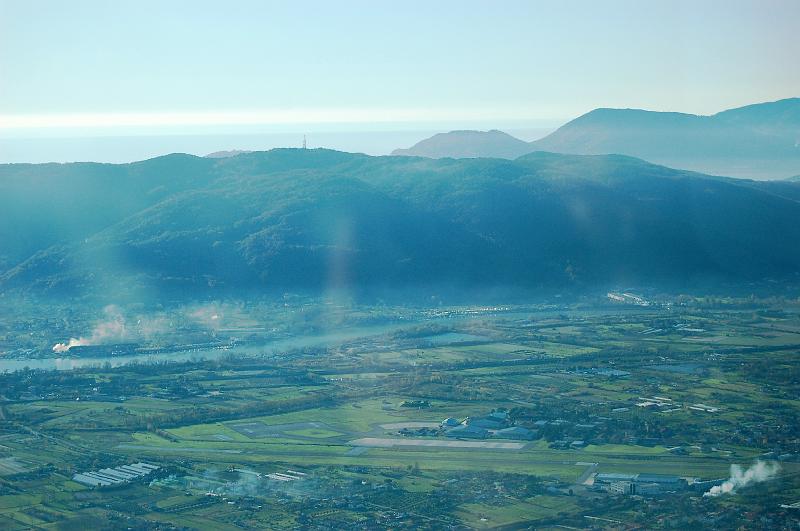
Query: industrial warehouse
{"type": "Point", "coordinates": [640, 484]}
{"type": "Point", "coordinates": [112, 476]}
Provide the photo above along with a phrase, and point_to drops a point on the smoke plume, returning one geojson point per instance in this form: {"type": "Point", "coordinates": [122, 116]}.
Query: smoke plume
{"type": "Point", "coordinates": [208, 315]}
{"type": "Point", "coordinates": [116, 326]}
{"type": "Point", "coordinates": [111, 329]}
{"type": "Point", "coordinates": [740, 478]}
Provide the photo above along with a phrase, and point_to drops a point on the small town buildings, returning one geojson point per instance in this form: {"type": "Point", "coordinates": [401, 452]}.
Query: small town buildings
{"type": "Point", "coordinates": [487, 423]}
{"type": "Point", "coordinates": [620, 487]}
{"type": "Point", "coordinates": [516, 432]}
{"type": "Point", "coordinates": [640, 484]}
{"type": "Point", "coordinates": [612, 478]}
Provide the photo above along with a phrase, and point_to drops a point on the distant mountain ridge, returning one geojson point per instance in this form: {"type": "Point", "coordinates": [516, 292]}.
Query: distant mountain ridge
{"type": "Point", "coordinates": [226, 154]}
{"type": "Point", "coordinates": [468, 144]}
{"type": "Point", "coordinates": [760, 141]}
{"type": "Point", "coordinates": [315, 220]}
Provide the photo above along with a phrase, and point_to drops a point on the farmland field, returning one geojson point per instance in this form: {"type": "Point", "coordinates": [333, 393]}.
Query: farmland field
{"type": "Point", "coordinates": [317, 433]}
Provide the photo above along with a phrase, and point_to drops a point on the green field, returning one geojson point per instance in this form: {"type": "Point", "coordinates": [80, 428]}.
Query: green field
{"type": "Point", "coordinates": [579, 381]}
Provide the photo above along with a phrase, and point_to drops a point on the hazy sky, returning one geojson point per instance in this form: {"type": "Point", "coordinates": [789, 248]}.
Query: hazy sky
{"type": "Point", "coordinates": [184, 66]}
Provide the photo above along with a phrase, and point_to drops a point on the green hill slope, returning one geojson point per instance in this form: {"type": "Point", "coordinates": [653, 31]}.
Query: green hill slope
{"type": "Point", "coordinates": [318, 220]}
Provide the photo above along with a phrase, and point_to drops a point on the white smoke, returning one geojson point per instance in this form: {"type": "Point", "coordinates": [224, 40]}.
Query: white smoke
{"type": "Point", "coordinates": [117, 327]}
{"type": "Point", "coordinates": [208, 315]}
{"type": "Point", "coordinates": [73, 342]}
{"type": "Point", "coordinates": [249, 483]}
{"type": "Point", "coordinates": [760, 471]}
{"type": "Point", "coordinates": [149, 327]}
{"type": "Point", "coordinates": [112, 329]}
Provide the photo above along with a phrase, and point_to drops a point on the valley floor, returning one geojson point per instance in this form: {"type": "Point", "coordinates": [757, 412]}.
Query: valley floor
{"type": "Point", "coordinates": [475, 418]}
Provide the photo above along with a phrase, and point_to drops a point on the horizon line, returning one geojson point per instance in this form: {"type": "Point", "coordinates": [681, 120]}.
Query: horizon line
{"type": "Point", "coordinates": [268, 117]}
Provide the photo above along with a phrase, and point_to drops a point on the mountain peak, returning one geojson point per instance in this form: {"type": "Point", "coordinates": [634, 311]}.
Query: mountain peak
{"type": "Point", "coordinates": [468, 144]}
{"type": "Point", "coordinates": [760, 141]}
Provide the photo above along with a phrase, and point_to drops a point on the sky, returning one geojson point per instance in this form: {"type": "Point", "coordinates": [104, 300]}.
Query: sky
{"type": "Point", "coordinates": [93, 69]}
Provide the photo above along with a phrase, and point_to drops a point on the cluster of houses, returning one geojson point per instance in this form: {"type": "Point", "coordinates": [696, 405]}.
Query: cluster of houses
{"type": "Point", "coordinates": [627, 298]}
{"type": "Point", "coordinates": [289, 475]}
{"type": "Point", "coordinates": [666, 405]}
